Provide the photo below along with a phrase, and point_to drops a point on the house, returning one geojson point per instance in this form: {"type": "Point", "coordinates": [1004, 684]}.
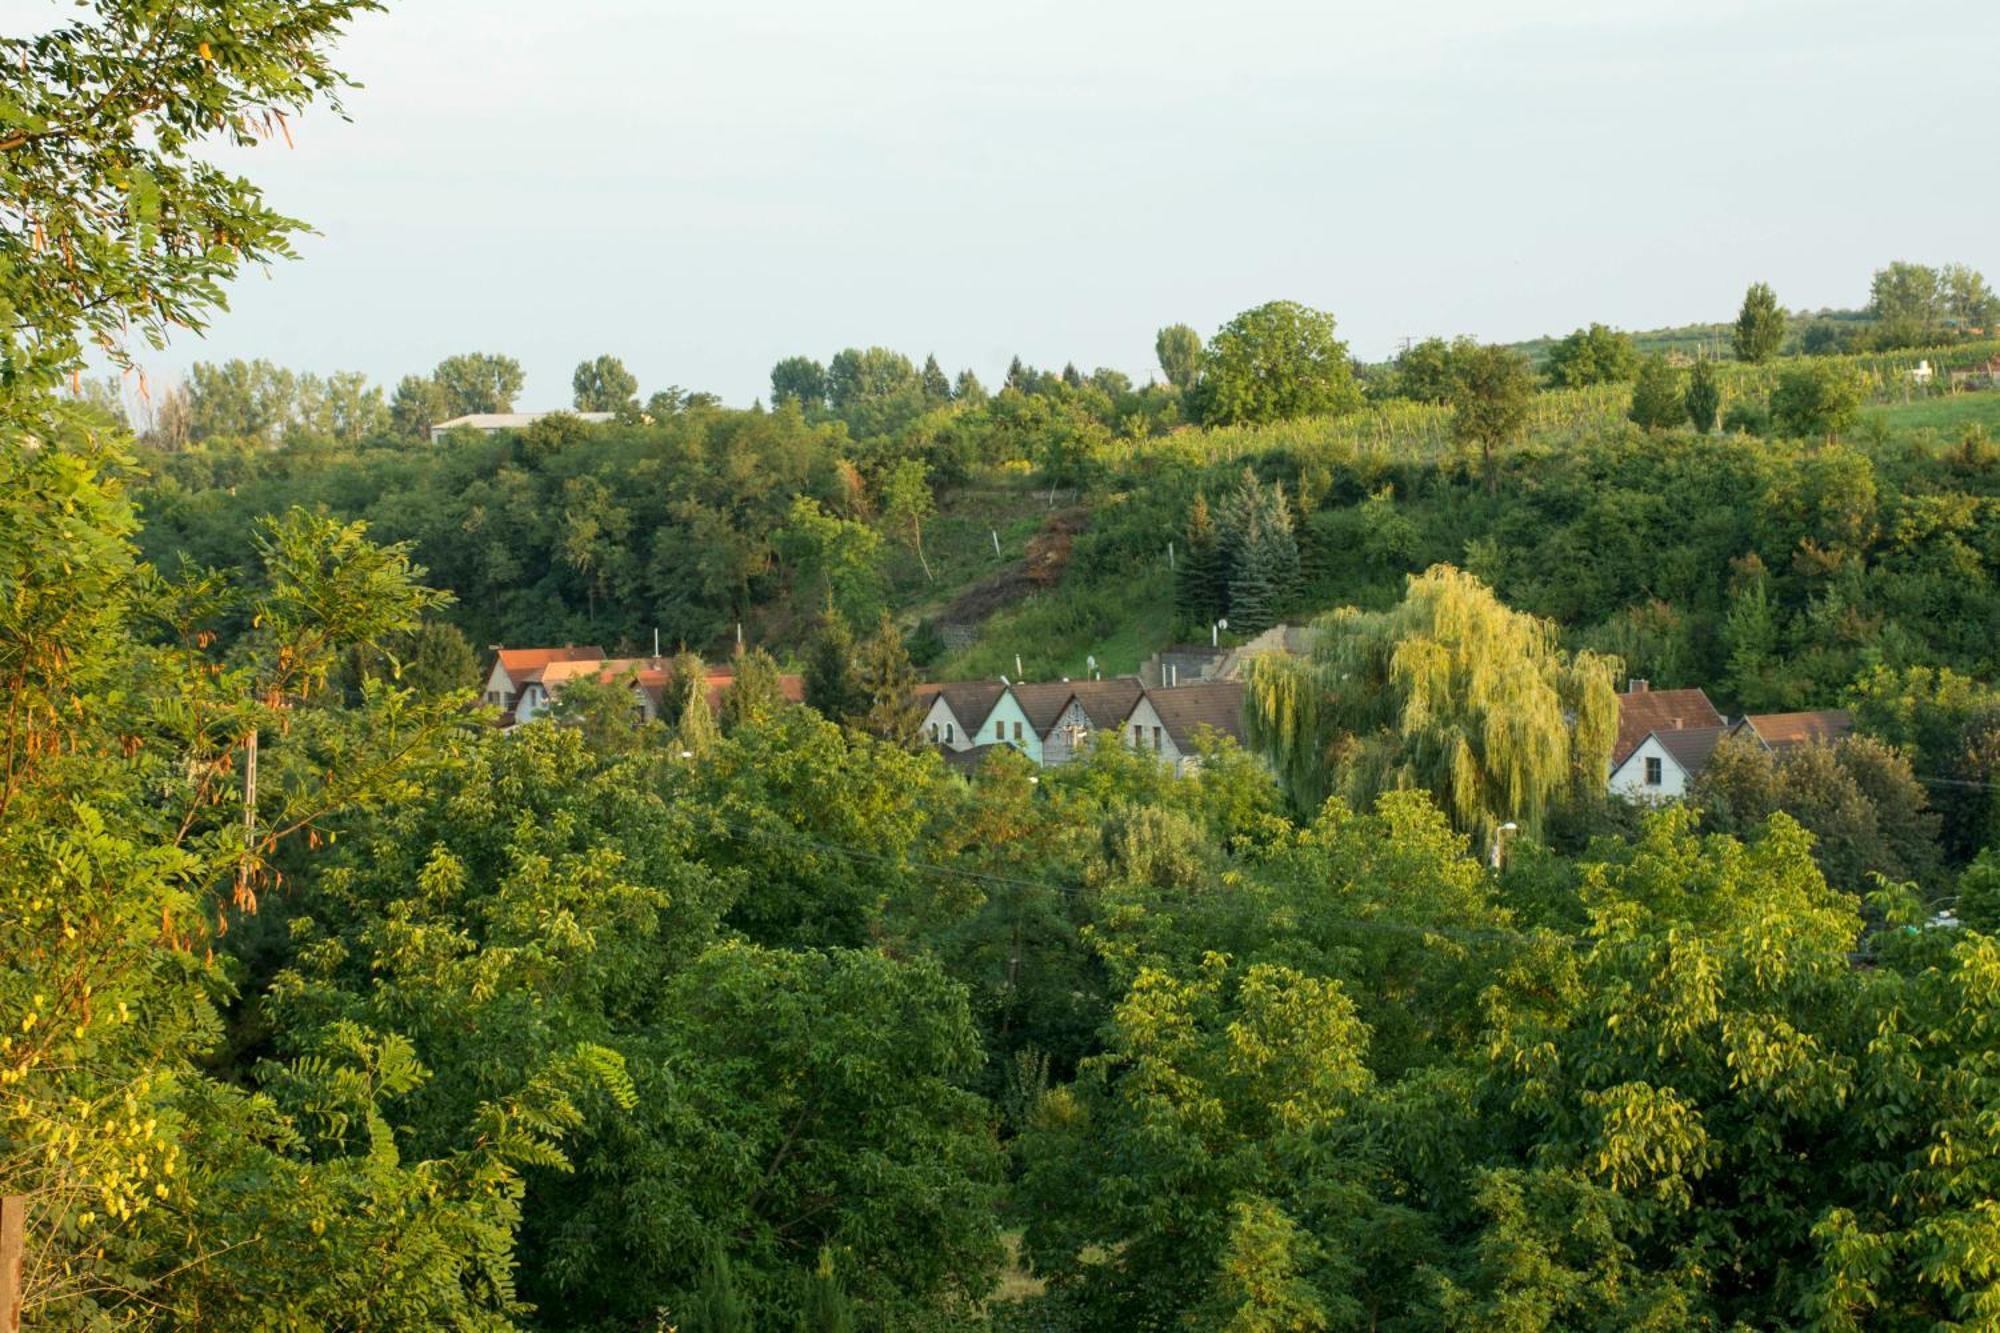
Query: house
{"type": "Point", "coordinates": [1093, 707]}
{"type": "Point", "coordinates": [514, 668]}
{"type": "Point", "coordinates": [1190, 663]}
{"type": "Point", "coordinates": [1643, 711]}
{"type": "Point", "coordinates": [1027, 713]}
{"type": "Point", "coordinates": [958, 711]}
{"type": "Point", "coordinates": [1778, 732]}
{"type": "Point", "coordinates": [524, 682]}
{"type": "Point", "coordinates": [492, 423]}
{"type": "Point", "coordinates": [1166, 722]}
{"type": "Point", "coordinates": [1665, 763]}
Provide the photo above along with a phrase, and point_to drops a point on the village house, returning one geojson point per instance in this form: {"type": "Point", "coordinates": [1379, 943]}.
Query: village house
{"type": "Point", "coordinates": [1052, 722]}
{"type": "Point", "coordinates": [957, 712]}
{"type": "Point", "coordinates": [515, 668]}
{"type": "Point", "coordinates": [525, 682]}
{"type": "Point", "coordinates": [1652, 759]}
{"type": "Point", "coordinates": [1778, 732]}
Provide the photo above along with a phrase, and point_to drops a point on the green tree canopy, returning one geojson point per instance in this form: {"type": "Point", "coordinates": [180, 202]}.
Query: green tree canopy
{"type": "Point", "coordinates": [1594, 355]}
{"type": "Point", "coordinates": [604, 385]}
{"type": "Point", "coordinates": [1449, 692]}
{"type": "Point", "coordinates": [1816, 398]}
{"type": "Point", "coordinates": [1278, 361]}
{"type": "Point", "coordinates": [1178, 350]}
{"type": "Point", "coordinates": [1492, 389]}
{"type": "Point", "coordinates": [478, 382]}
{"type": "Point", "coordinates": [1760, 325]}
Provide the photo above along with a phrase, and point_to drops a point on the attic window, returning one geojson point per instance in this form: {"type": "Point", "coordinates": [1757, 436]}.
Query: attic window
{"type": "Point", "coordinates": [1652, 770]}
{"type": "Point", "coordinates": [949, 739]}
{"type": "Point", "coordinates": [1017, 731]}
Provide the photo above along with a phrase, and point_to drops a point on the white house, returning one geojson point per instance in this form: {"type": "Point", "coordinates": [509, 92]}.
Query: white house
{"type": "Point", "coordinates": [958, 711]}
{"type": "Point", "coordinates": [1094, 707]}
{"type": "Point", "coordinates": [514, 668]}
{"type": "Point", "coordinates": [1665, 764]}
{"type": "Point", "coordinates": [492, 423]}
{"type": "Point", "coordinates": [1166, 722]}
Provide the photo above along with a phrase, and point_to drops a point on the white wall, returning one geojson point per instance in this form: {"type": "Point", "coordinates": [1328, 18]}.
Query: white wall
{"type": "Point", "coordinates": [1629, 778]}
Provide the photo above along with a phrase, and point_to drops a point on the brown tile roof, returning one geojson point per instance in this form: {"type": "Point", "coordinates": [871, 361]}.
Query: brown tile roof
{"type": "Point", "coordinates": [1043, 701]}
{"type": "Point", "coordinates": [970, 701]}
{"type": "Point", "coordinates": [1648, 711]}
{"type": "Point", "coordinates": [1107, 703]}
{"type": "Point", "coordinates": [1690, 746]}
{"type": "Point", "coordinates": [1782, 731]}
{"type": "Point", "coordinates": [1215, 703]}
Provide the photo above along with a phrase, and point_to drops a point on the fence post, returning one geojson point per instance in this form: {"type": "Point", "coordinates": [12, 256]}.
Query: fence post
{"type": "Point", "coordinates": [13, 1238]}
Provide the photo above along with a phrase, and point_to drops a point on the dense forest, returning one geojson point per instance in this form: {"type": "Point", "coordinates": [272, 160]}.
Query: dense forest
{"type": "Point", "coordinates": [324, 1003]}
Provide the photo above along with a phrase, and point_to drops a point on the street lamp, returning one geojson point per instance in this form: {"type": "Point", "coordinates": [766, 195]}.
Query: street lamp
{"type": "Point", "coordinates": [1215, 633]}
{"type": "Point", "coordinates": [1499, 836]}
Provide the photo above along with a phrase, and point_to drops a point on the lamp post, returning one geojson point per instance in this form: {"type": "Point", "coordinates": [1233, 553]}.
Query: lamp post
{"type": "Point", "coordinates": [1499, 838]}
{"type": "Point", "coordinates": [1215, 633]}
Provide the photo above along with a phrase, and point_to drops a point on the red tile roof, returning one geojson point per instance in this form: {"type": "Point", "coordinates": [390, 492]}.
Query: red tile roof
{"type": "Point", "coordinates": [1782, 731]}
{"type": "Point", "coordinates": [1645, 711]}
{"type": "Point", "coordinates": [520, 661]}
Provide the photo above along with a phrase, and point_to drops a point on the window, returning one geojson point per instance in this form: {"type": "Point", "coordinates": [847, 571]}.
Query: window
{"type": "Point", "coordinates": [934, 733]}
{"type": "Point", "coordinates": [1017, 731]}
{"type": "Point", "coordinates": [949, 739]}
{"type": "Point", "coordinates": [1652, 771]}
{"type": "Point", "coordinates": [999, 731]}
{"type": "Point", "coordinates": [1138, 734]}
{"type": "Point", "coordinates": [1156, 739]}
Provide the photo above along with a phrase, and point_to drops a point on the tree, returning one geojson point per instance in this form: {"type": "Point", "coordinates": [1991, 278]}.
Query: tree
{"type": "Point", "coordinates": [1657, 400]}
{"type": "Point", "coordinates": [967, 388]}
{"type": "Point", "coordinates": [418, 405]}
{"type": "Point", "coordinates": [1760, 325]}
{"type": "Point", "coordinates": [937, 389]}
{"type": "Point", "coordinates": [833, 686]}
{"type": "Point", "coordinates": [604, 385]}
{"type": "Point", "coordinates": [1967, 298]}
{"type": "Point", "coordinates": [1427, 372]}
{"type": "Point", "coordinates": [1201, 590]}
{"type": "Point", "coordinates": [1178, 349]}
{"type": "Point", "coordinates": [1278, 361]}
{"type": "Point", "coordinates": [478, 382]}
{"type": "Point", "coordinates": [1909, 301]}
{"type": "Point", "coordinates": [837, 561]}
{"type": "Point", "coordinates": [1596, 355]}
{"type": "Point", "coordinates": [1450, 692]}
{"type": "Point", "coordinates": [754, 693]}
{"type": "Point", "coordinates": [888, 685]}
{"type": "Point", "coordinates": [122, 226]}
{"type": "Point", "coordinates": [1490, 403]}
{"type": "Point", "coordinates": [242, 400]}
{"type": "Point", "coordinates": [1704, 397]}
{"type": "Point", "coordinates": [906, 504]}
{"type": "Point", "coordinates": [1259, 555]}
{"type": "Point", "coordinates": [1816, 398]}
{"type": "Point", "coordinates": [799, 379]}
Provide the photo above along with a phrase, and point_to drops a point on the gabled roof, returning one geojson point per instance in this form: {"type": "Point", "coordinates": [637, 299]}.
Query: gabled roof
{"type": "Point", "coordinates": [1642, 712]}
{"type": "Point", "coordinates": [970, 701]}
{"type": "Point", "coordinates": [1214, 703]}
{"type": "Point", "coordinates": [1690, 746]}
{"type": "Point", "coordinates": [520, 661]}
{"type": "Point", "coordinates": [1043, 701]}
{"type": "Point", "coordinates": [1107, 703]}
{"type": "Point", "coordinates": [1783, 731]}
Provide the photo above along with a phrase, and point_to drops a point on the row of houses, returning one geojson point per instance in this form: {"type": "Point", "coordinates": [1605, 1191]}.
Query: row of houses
{"type": "Point", "coordinates": [524, 682]}
{"type": "Point", "coordinates": [1665, 738]}
{"type": "Point", "coordinates": [1052, 721]}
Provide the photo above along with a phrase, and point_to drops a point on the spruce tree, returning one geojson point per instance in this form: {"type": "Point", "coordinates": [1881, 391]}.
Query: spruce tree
{"type": "Point", "coordinates": [888, 688]}
{"type": "Point", "coordinates": [1198, 582]}
{"type": "Point", "coordinates": [1760, 325]}
{"type": "Point", "coordinates": [937, 389]}
{"type": "Point", "coordinates": [715, 1306]}
{"type": "Point", "coordinates": [1704, 397]}
{"type": "Point", "coordinates": [832, 684]}
{"type": "Point", "coordinates": [754, 694]}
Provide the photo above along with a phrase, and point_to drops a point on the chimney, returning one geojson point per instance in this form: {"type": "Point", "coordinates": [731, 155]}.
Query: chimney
{"type": "Point", "coordinates": [1638, 685]}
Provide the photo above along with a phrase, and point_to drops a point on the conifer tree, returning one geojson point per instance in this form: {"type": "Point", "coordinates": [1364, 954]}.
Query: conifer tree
{"type": "Point", "coordinates": [832, 684]}
{"type": "Point", "coordinates": [888, 688]}
{"type": "Point", "coordinates": [1198, 579]}
{"type": "Point", "coordinates": [967, 388]}
{"type": "Point", "coordinates": [753, 694]}
{"type": "Point", "coordinates": [1704, 397]}
{"type": "Point", "coordinates": [1760, 325]}
{"type": "Point", "coordinates": [937, 389]}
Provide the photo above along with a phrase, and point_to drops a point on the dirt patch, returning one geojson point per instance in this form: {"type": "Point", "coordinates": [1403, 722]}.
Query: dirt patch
{"type": "Point", "coordinates": [1043, 567]}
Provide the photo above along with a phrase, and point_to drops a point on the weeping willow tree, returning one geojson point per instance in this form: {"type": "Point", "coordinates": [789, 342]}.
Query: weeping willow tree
{"type": "Point", "coordinates": [1449, 692]}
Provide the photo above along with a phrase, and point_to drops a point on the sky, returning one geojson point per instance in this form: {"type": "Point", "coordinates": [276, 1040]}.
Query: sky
{"type": "Point", "coordinates": [703, 189]}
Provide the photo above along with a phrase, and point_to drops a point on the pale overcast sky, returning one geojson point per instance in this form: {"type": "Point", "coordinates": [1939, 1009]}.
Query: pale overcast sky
{"type": "Point", "coordinates": [703, 189]}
